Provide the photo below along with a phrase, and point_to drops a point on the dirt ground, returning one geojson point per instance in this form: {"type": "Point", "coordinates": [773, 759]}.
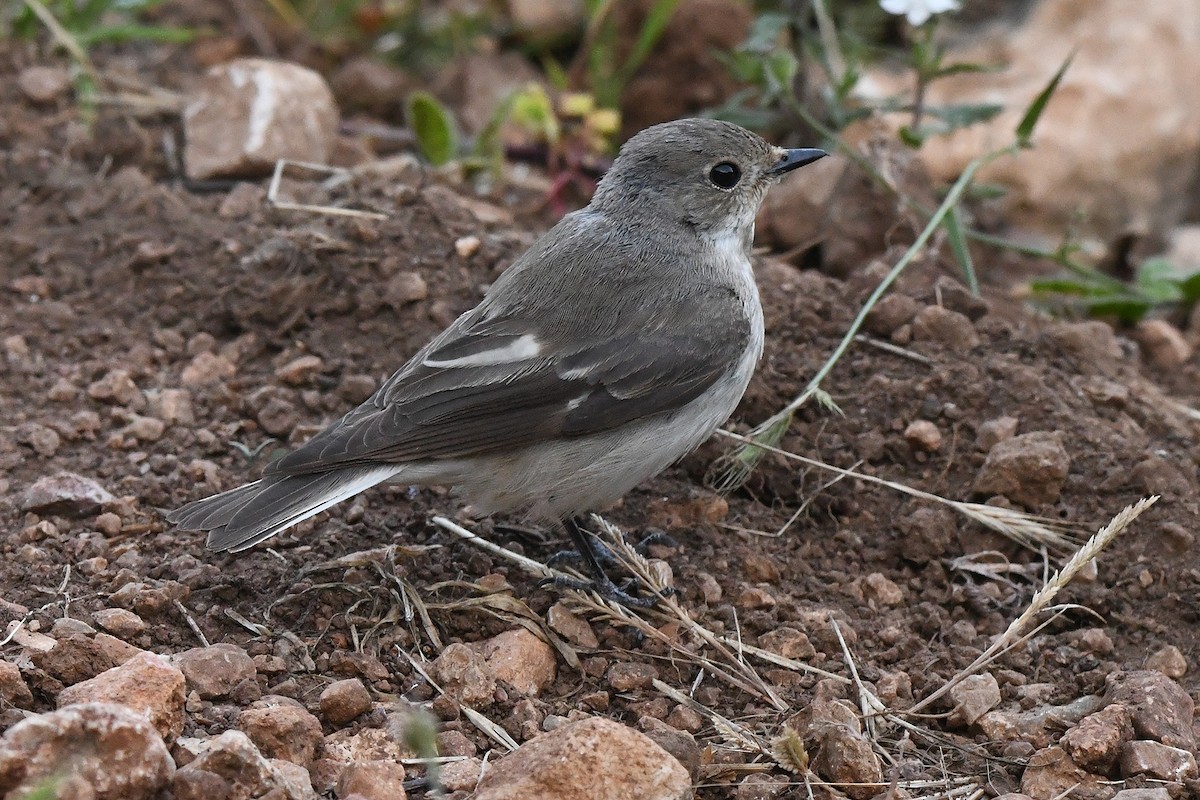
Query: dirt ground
{"type": "Point", "coordinates": [113, 272]}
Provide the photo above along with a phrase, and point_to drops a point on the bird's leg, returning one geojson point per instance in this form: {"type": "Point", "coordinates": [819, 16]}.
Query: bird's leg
{"type": "Point", "coordinates": [604, 553]}
{"type": "Point", "coordinates": [587, 550]}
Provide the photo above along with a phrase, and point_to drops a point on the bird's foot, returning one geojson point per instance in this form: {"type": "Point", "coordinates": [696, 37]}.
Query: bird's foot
{"type": "Point", "coordinates": [606, 589]}
{"type": "Point", "coordinates": [604, 553]}
{"type": "Point", "coordinates": [593, 554]}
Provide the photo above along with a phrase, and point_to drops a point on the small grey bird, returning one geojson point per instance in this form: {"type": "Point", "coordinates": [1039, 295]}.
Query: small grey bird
{"type": "Point", "coordinates": [614, 346]}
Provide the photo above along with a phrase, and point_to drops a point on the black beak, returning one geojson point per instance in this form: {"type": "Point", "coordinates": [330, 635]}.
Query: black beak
{"type": "Point", "coordinates": [794, 159]}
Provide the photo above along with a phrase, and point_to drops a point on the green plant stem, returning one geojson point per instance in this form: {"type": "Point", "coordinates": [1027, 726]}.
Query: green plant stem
{"type": "Point", "coordinates": [1060, 256]}
{"type": "Point", "coordinates": [784, 415]}
{"type": "Point", "coordinates": [64, 38]}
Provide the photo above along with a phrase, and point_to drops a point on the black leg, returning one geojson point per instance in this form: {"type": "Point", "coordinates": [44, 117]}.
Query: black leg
{"type": "Point", "coordinates": [600, 582]}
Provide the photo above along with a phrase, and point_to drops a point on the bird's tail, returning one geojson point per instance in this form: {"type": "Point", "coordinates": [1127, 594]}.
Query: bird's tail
{"type": "Point", "coordinates": [243, 517]}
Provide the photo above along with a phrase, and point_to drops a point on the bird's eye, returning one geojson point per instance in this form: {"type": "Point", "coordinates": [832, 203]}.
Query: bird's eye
{"type": "Point", "coordinates": [725, 175]}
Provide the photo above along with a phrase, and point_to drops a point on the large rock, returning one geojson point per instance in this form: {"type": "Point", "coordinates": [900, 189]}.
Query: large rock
{"type": "Point", "coordinates": [594, 759]}
{"type": "Point", "coordinates": [1051, 774]}
{"type": "Point", "coordinates": [1160, 708]}
{"type": "Point", "coordinates": [217, 670]}
{"type": "Point", "coordinates": [1128, 168]}
{"type": "Point", "coordinates": [1095, 742]}
{"type": "Point", "coordinates": [521, 660]}
{"type": "Point", "coordinates": [249, 113]}
{"type": "Point", "coordinates": [286, 732]}
{"type": "Point", "coordinates": [13, 691]}
{"type": "Point", "coordinates": [65, 493]}
{"type": "Point", "coordinates": [232, 768]}
{"type": "Point", "coordinates": [147, 683]}
{"type": "Point", "coordinates": [1028, 469]}
{"type": "Point", "coordinates": [114, 751]}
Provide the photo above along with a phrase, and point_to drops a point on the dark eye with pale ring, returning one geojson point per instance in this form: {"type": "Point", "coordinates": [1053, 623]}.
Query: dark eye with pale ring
{"type": "Point", "coordinates": [725, 175]}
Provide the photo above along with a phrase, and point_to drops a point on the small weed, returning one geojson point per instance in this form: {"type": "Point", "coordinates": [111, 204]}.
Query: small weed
{"type": "Point", "coordinates": [77, 26]}
{"type": "Point", "coordinates": [1158, 286]}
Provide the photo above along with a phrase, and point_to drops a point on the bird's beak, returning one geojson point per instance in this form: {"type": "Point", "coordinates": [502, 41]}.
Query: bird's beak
{"type": "Point", "coordinates": [794, 159]}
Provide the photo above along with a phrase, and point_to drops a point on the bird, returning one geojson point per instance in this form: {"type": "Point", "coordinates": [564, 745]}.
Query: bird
{"type": "Point", "coordinates": [616, 344]}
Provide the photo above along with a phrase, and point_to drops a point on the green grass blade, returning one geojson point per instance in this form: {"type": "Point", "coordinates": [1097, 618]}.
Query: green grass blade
{"type": "Point", "coordinates": [958, 245]}
{"type": "Point", "coordinates": [434, 128]}
{"type": "Point", "coordinates": [1034, 112]}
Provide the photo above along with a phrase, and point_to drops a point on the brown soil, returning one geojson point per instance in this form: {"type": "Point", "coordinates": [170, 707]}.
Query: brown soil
{"type": "Point", "coordinates": [110, 265]}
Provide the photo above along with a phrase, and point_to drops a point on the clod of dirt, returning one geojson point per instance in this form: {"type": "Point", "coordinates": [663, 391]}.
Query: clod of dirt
{"type": "Point", "coordinates": [571, 627]}
{"type": "Point", "coordinates": [625, 676]}
{"type": "Point", "coordinates": [593, 759]}
{"type": "Point", "coordinates": [43, 85]}
{"type": "Point", "coordinates": [1095, 742]}
{"type": "Point", "coordinates": [344, 700]}
{"type": "Point", "coordinates": [66, 494]}
{"type": "Point", "coordinates": [112, 750]}
{"type": "Point", "coordinates": [1052, 773]}
{"type": "Point", "coordinates": [120, 622]}
{"type": "Point", "coordinates": [287, 732]}
{"type": "Point", "coordinates": [946, 327]}
{"type": "Point", "coordinates": [13, 691]}
{"type": "Point", "coordinates": [788, 642]}
{"type": "Point", "coordinates": [521, 660]}
{"type": "Point", "coordinates": [1163, 345]}
{"type": "Point", "coordinates": [1161, 709]}
{"type": "Point", "coordinates": [373, 780]}
{"type": "Point", "coordinates": [249, 113]}
{"type": "Point", "coordinates": [1169, 661]}
{"type": "Point", "coordinates": [232, 767]}
{"type": "Point", "coordinates": [846, 756]}
{"type": "Point", "coordinates": [923, 436]}
{"type": "Point", "coordinates": [973, 697]}
{"type": "Point", "coordinates": [1028, 469]}
{"type": "Point", "coordinates": [678, 743]}
{"type": "Point", "coordinates": [462, 776]}
{"type": "Point", "coordinates": [1157, 761]}
{"type": "Point", "coordinates": [147, 683]}
{"type": "Point", "coordinates": [217, 670]}
{"type": "Point", "coordinates": [890, 313]}
{"type": "Point", "coordinates": [465, 675]}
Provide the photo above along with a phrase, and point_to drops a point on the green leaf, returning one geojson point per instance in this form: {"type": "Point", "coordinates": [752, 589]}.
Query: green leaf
{"type": "Point", "coordinates": [135, 33]}
{"type": "Point", "coordinates": [962, 115]}
{"type": "Point", "coordinates": [1189, 288]}
{"type": "Point", "coordinates": [781, 69]}
{"type": "Point", "coordinates": [961, 69]}
{"type": "Point", "coordinates": [1159, 281]}
{"type": "Point", "coordinates": [913, 137]}
{"type": "Point", "coordinates": [434, 128]}
{"type": "Point", "coordinates": [652, 30]}
{"type": "Point", "coordinates": [984, 190]}
{"type": "Point", "coordinates": [1032, 114]}
{"type": "Point", "coordinates": [555, 73]}
{"type": "Point", "coordinates": [958, 245]}
{"type": "Point", "coordinates": [764, 33]}
{"type": "Point", "coordinates": [1127, 309]}
{"type": "Point", "coordinates": [1069, 286]}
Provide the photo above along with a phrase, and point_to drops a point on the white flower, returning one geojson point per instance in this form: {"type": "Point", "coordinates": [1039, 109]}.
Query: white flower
{"type": "Point", "coordinates": [918, 11]}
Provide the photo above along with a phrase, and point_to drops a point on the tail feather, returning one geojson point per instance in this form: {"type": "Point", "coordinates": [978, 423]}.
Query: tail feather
{"type": "Point", "coordinates": [243, 517]}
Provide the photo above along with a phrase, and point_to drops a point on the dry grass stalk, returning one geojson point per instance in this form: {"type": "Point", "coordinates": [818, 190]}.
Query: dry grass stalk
{"type": "Point", "coordinates": [1027, 530]}
{"type": "Point", "coordinates": [732, 732]}
{"type": "Point", "coordinates": [273, 193]}
{"type": "Point", "coordinates": [485, 725]}
{"type": "Point", "coordinates": [1042, 599]}
{"type": "Point", "coordinates": [730, 668]}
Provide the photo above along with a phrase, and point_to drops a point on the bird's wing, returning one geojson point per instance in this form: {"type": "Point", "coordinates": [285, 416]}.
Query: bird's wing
{"type": "Point", "coordinates": [488, 385]}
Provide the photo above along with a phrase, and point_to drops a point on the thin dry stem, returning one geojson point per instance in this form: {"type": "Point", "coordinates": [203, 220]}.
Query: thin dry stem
{"type": "Point", "coordinates": [1042, 599]}
{"type": "Point", "coordinates": [273, 193]}
{"type": "Point", "coordinates": [1026, 530]}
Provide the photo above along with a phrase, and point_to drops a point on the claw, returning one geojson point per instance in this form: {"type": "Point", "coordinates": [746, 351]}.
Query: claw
{"type": "Point", "coordinates": [605, 588]}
